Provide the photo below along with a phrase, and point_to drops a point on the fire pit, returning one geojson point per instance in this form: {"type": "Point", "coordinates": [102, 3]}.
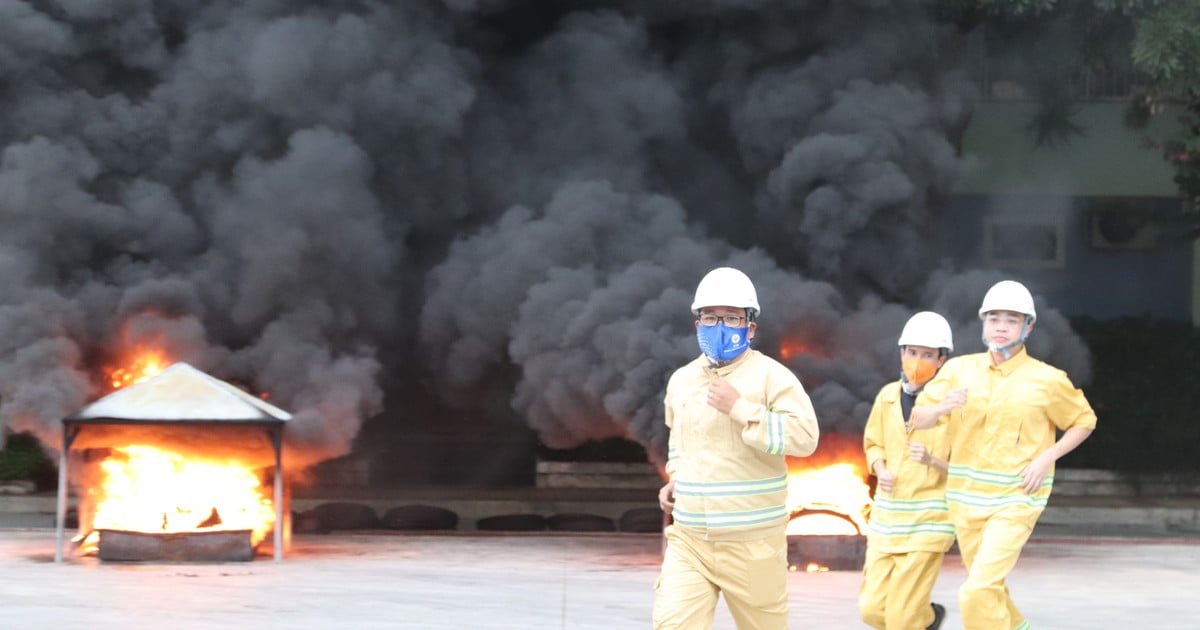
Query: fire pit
{"type": "Point", "coordinates": [843, 549]}
{"type": "Point", "coordinates": [829, 501]}
{"type": "Point", "coordinates": [213, 546]}
{"type": "Point", "coordinates": [170, 470]}
{"type": "Point", "coordinates": [832, 553]}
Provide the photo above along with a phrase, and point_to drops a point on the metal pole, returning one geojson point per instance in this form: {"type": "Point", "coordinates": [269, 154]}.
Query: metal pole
{"type": "Point", "coordinates": [277, 442]}
{"type": "Point", "coordinates": [61, 512]}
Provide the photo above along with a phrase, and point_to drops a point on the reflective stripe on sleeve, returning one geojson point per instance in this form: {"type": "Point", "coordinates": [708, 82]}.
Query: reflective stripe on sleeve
{"type": "Point", "coordinates": [775, 424]}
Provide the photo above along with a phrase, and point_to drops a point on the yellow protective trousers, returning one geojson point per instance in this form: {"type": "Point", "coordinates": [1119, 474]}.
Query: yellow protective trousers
{"type": "Point", "coordinates": [896, 587]}
{"type": "Point", "coordinates": [752, 574]}
{"type": "Point", "coordinates": [989, 552]}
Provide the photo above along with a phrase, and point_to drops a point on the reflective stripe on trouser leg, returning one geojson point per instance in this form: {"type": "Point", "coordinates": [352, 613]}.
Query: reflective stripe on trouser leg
{"type": "Point", "coordinates": [751, 574]}
{"type": "Point", "coordinates": [896, 588]}
{"type": "Point", "coordinates": [684, 595]}
{"type": "Point", "coordinates": [990, 552]}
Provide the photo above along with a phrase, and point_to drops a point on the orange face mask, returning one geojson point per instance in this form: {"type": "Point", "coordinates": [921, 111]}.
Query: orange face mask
{"type": "Point", "coordinates": [917, 371]}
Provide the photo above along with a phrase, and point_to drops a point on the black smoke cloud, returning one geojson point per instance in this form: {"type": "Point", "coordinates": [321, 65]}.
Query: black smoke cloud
{"type": "Point", "coordinates": [310, 198]}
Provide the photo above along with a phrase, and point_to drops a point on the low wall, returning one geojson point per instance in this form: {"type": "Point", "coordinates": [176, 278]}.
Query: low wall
{"type": "Point", "coordinates": [625, 475]}
{"type": "Point", "coordinates": [1160, 504]}
{"type": "Point", "coordinates": [1085, 482]}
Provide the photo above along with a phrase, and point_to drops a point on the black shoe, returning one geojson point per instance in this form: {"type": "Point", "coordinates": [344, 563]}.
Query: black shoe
{"type": "Point", "coordinates": [939, 613]}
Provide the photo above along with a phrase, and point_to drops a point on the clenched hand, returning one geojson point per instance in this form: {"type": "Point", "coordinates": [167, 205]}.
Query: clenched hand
{"type": "Point", "coordinates": [722, 396]}
{"type": "Point", "coordinates": [886, 479]}
{"type": "Point", "coordinates": [666, 497]}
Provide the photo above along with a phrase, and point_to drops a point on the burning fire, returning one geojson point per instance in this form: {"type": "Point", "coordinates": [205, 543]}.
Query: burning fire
{"type": "Point", "coordinates": [827, 491]}
{"type": "Point", "coordinates": [146, 489]}
{"type": "Point", "coordinates": [790, 348]}
{"type": "Point", "coordinates": [811, 567]}
{"type": "Point", "coordinates": [144, 364]}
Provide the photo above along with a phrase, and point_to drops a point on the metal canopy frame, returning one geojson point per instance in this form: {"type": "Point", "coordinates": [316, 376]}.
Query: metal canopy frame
{"type": "Point", "coordinates": [73, 426]}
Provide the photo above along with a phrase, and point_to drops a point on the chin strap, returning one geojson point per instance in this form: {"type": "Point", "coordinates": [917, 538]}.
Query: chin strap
{"type": "Point", "coordinates": [1007, 350]}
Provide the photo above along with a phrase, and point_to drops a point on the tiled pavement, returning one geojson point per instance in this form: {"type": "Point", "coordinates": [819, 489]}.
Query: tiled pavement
{"type": "Point", "coordinates": [473, 580]}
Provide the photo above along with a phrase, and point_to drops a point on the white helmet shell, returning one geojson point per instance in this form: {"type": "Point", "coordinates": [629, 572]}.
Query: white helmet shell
{"type": "Point", "coordinates": [927, 329]}
{"type": "Point", "coordinates": [725, 286]}
{"type": "Point", "coordinates": [1008, 295]}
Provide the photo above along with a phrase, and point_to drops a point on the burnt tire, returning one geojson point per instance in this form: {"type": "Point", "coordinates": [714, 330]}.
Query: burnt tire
{"type": "Point", "coordinates": [420, 517]}
{"type": "Point", "coordinates": [307, 523]}
{"type": "Point", "coordinates": [580, 523]}
{"type": "Point", "coordinates": [512, 523]}
{"type": "Point", "coordinates": [335, 516]}
{"type": "Point", "coordinates": [641, 520]}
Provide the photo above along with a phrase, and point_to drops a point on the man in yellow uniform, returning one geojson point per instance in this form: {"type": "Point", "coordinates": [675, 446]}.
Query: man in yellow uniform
{"type": "Point", "coordinates": [1005, 409]}
{"type": "Point", "coordinates": [734, 414]}
{"type": "Point", "coordinates": [910, 528]}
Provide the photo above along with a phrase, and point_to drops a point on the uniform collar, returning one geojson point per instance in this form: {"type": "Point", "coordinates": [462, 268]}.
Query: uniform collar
{"type": "Point", "coordinates": [724, 370]}
{"type": "Point", "coordinates": [1011, 365]}
{"type": "Point", "coordinates": [892, 394]}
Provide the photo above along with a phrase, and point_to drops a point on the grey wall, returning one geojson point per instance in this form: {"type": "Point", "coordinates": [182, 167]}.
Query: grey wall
{"type": "Point", "coordinates": [1059, 250]}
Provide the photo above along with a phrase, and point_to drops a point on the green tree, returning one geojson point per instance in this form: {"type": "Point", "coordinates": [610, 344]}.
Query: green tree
{"type": "Point", "coordinates": [1066, 44]}
{"type": "Point", "coordinates": [22, 458]}
{"type": "Point", "coordinates": [1167, 49]}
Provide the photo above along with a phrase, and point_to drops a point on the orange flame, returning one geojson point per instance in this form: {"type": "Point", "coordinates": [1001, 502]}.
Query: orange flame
{"type": "Point", "coordinates": [791, 348]}
{"type": "Point", "coordinates": [146, 489]}
{"type": "Point", "coordinates": [811, 567]}
{"type": "Point", "coordinates": [146, 362]}
{"type": "Point", "coordinates": [827, 491]}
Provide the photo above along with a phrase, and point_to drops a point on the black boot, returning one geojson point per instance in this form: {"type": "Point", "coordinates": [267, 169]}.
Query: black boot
{"type": "Point", "coordinates": [939, 613]}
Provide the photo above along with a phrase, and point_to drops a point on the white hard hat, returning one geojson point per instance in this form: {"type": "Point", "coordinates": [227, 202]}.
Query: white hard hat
{"type": "Point", "coordinates": [927, 329]}
{"type": "Point", "coordinates": [726, 286]}
{"type": "Point", "coordinates": [1008, 295]}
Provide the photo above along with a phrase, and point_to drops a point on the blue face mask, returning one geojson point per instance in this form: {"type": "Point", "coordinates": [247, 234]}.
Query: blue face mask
{"type": "Point", "coordinates": [722, 343]}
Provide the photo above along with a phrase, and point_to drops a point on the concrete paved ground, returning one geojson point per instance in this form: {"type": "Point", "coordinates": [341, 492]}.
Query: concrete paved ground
{"type": "Point", "coordinates": [545, 580]}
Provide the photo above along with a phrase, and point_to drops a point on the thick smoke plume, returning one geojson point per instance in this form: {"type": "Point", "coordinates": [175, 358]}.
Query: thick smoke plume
{"type": "Point", "coordinates": [310, 198]}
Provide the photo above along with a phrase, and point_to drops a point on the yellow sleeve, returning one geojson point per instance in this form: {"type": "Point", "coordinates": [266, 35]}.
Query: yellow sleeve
{"type": "Point", "coordinates": [873, 445]}
{"type": "Point", "coordinates": [936, 389]}
{"type": "Point", "coordinates": [1068, 407]}
{"type": "Point", "coordinates": [939, 439]}
{"type": "Point", "coordinates": [672, 441]}
{"type": "Point", "coordinates": [784, 423]}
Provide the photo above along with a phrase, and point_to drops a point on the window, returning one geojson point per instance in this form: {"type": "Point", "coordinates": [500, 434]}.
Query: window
{"type": "Point", "coordinates": [1122, 223]}
{"type": "Point", "coordinates": [1023, 242]}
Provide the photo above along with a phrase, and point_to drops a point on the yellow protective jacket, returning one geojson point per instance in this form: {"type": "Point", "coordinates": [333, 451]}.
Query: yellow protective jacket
{"type": "Point", "coordinates": [913, 516]}
{"type": "Point", "coordinates": [730, 471]}
{"type": "Point", "coordinates": [1012, 414]}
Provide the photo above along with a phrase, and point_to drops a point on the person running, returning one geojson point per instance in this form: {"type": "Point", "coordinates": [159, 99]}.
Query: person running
{"type": "Point", "coordinates": [734, 416]}
{"type": "Point", "coordinates": [1005, 409]}
{"type": "Point", "coordinates": [909, 530]}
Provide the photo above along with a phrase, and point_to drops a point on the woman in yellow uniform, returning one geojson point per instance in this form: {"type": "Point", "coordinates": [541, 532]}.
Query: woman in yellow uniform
{"type": "Point", "coordinates": [1004, 408]}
